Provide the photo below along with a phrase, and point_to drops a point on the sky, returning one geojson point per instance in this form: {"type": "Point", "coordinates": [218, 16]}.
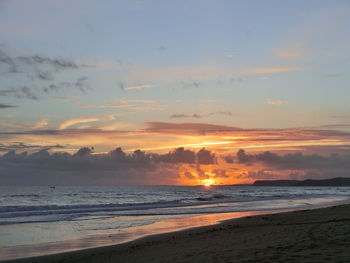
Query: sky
{"type": "Point", "coordinates": [259, 88]}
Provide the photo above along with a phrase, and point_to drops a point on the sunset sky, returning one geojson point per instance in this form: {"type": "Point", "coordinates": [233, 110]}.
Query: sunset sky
{"type": "Point", "coordinates": [160, 75]}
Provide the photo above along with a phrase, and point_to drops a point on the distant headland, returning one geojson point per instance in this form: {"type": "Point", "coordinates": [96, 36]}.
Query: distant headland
{"type": "Point", "coordinates": [338, 181]}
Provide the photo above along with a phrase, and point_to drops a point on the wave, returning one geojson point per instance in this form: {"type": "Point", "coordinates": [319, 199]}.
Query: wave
{"type": "Point", "coordinates": [213, 197]}
{"type": "Point", "coordinates": [15, 211]}
{"type": "Point", "coordinates": [27, 214]}
{"type": "Point", "coordinates": [30, 210]}
{"type": "Point", "coordinates": [21, 195]}
{"type": "Point", "coordinates": [150, 201]}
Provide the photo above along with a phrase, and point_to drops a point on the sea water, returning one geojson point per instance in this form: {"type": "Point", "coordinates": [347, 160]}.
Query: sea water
{"type": "Point", "coordinates": [41, 220]}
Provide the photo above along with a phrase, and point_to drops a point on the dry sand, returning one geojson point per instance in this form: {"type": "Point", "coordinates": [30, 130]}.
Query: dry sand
{"type": "Point", "coordinates": [321, 235]}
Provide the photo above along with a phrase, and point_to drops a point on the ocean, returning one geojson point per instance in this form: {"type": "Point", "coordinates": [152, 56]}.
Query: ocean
{"type": "Point", "coordinates": [43, 220]}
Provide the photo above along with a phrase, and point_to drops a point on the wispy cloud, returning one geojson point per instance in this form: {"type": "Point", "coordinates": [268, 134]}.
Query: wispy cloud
{"type": "Point", "coordinates": [225, 113]}
{"type": "Point", "coordinates": [68, 123]}
{"type": "Point", "coordinates": [21, 92]}
{"type": "Point", "coordinates": [287, 53]}
{"type": "Point", "coordinates": [274, 70]}
{"type": "Point", "coordinates": [126, 101]}
{"type": "Point", "coordinates": [190, 84]}
{"type": "Point", "coordinates": [6, 60]}
{"type": "Point", "coordinates": [177, 116]}
{"type": "Point", "coordinates": [149, 108]}
{"type": "Point", "coordinates": [106, 106]}
{"type": "Point", "coordinates": [6, 106]}
{"type": "Point", "coordinates": [56, 63]}
{"type": "Point", "coordinates": [254, 138]}
{"type": "Point", "coordinates": [187, 127]}
{"type": "Point", "coordinates": [40, 124]}
{"type": "Point", "coordinates": [292, 51]}
{"type": "Point", "coordinates": [33, 75]}
{"type": "Point", "coordinates": [277, 102]}
{"type": "Point", "coordinates": [10, 125]}
{"type": "Point", "coordinates": [196, 76]}
{"type": "Point", "coordinates": [115, 126]}
{"type": "Point", "coordinates": [44, 66]}
{"type": "Point", "coordinates": [145, 86]}
{"type": "Point", "coordinates": [195, 115]}
{"type": "Point", "coordinates": [160, 136]}
{"type": "Point", "coordinates": [62, 98]}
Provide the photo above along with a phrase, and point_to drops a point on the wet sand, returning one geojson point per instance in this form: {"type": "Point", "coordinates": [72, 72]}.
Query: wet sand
{"type": "Point", "coordinates": [320, 235]}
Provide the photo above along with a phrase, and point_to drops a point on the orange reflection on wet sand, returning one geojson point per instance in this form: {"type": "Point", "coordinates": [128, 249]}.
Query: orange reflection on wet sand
{"type": "Point", "coordinates": [189, 222]}
{"type": "Point", "coordinates": [125, 235]}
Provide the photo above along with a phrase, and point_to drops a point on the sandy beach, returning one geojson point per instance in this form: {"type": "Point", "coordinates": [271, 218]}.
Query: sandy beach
{"type": "Point", "coordinates": [320, 235]}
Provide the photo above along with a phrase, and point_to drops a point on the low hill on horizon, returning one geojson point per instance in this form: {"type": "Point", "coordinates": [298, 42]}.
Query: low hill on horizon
{"type": "Point", "coordinates": [338, 181]}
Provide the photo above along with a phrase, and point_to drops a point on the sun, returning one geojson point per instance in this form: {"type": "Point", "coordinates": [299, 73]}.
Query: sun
{"type": "Point", "coordinates": [208, 182]}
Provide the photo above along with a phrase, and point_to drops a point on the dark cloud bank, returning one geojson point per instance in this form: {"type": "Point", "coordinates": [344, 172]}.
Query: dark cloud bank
{"type": "Point", "coordinates": [294, 165]}
{"type": "Point", "coordinates": [84, 167]}
{"type": "Point", "coordinates": [295, 161]}
{"type": "Point", "coordinates": [117, 167]}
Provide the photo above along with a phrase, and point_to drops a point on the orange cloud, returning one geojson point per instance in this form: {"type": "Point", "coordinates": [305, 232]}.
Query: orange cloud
{"type": "Point", "coordinates": [74, 121]}
{"type": "Point", "coordinates": [115, 126]}
{"type": "Point", "coordinates": [274, 70]}
{"type": "Point", "coordinates": [277, 102]}
{"type": "Point", "coordinates": [124, 103]}
{"type": "Point", "coordinates": [186, 127]}
{"type": "Point", "coordinates": [139, 87]}
{"type": "Point", "coordinates": [291, 51]}
{"type": "Point", "coordinates": [161, 136]}
{"type": "Point", "coordinates": [287, 53]}
{"type": "Point", "coordinates": [127, 101]}
{"type": "Point", "coordinates": [40, 124]}
{"type": "Point", "coordinates": [106, 106]}
{"type": "Point", "coordinates": [71, 122]}
{"type": "Point", "coordinates": [149, 108]}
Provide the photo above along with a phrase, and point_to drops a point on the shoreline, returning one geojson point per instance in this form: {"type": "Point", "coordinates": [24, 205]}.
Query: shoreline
{"type": "Point", "coordinates": [129, 248]}
{"type": "Point", "coordinates": [130, 234]}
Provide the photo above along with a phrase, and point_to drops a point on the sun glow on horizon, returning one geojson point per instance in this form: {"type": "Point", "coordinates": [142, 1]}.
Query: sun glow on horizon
{"type": "Point", "coordinates": [208, 182]}
{"type": "Point", "coordinates": [219, 173]}
{"type": "Point", "coordinates": [189, 145]}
